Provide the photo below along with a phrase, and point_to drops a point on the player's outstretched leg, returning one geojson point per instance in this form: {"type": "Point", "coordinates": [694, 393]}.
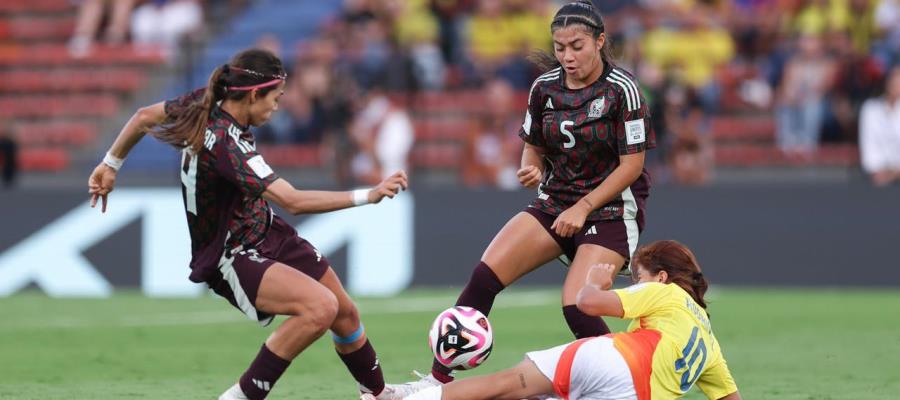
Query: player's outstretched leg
{"type": "Point", "coordinates": [581, 324]}
{"type": "Point", "coordinates": [312, 307]}
{"type": "Point", "coordinates": [351, 343]}
{"type": "Point", "coordinates": [520, 382]}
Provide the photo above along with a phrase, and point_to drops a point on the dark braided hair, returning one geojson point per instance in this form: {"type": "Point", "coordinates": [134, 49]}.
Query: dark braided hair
{"type": "Point", "coordinates": [247, 68]}
{"type": "Point", "coordinates": [583, 14]}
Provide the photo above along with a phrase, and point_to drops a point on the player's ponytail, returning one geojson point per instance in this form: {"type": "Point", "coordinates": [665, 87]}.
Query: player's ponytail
{"type": "Point", "coordinates": [679, 263]}
{"type": "Point", "coordinates": [249, 70]}
{"type": "Point", "coordinates": [582, 13]}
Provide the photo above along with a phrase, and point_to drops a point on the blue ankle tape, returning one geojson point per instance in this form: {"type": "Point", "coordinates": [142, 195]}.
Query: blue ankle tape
{"type": "Point", "coordinates": [349, 339]}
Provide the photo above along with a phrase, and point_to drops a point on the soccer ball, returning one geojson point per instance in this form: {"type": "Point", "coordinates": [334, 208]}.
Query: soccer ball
{"type": "Point", "coordinates": [461, 338]}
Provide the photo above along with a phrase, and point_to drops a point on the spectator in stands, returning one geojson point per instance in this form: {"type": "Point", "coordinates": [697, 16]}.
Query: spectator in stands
{"type": "Point", "coordinates": [9, 151]}
{"type": "Point", "coordinates": [857, 78]}
{"type": "Point", "coordinates": [450, 15]}
{"type": "Point", "coordinates": [697, 48]}
{"type": "Point", "coordinates": [887, 20]}
{"type": "Point", "coordinates": [801, 99]}
{"type": "Point", "coordinates": [414, 31]}
{"type": "Point", "coordinates": [164, 23]}
{"type": "Point", "coordinates": [496, 45]}
{"type": "Point", "coordinates": [90, 16]}
{"type": "Point", "coordinates": [879, 133]}
{"type": "Point", "coordinates": [689, 156]}
{"type": "Point", "coordinates": [492, 152]}
{"type": "Point", "coordinates": [383, 134]}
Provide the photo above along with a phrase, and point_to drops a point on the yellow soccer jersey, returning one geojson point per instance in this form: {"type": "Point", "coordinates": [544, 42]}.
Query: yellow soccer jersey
{"type": "Point", "coordinates": [670, 345]}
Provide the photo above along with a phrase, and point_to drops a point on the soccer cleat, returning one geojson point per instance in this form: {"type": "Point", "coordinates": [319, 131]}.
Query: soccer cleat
{"type": "Point", "coordinates": [234, 393]}
{"type": "Point", "coordinates": [400, 391]}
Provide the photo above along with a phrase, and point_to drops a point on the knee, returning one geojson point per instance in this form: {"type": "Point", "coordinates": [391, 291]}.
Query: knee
{"type": "Point", "coordinates": [323, 313]}
{"type": "Point", "coordinates": [348, 313]}
{"type": "Point", "coordinates": [319, 313]}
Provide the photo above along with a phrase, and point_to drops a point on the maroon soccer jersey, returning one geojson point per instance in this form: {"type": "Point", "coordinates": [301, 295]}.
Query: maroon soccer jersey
{"type": "Point", "coordinates": [583, 132]}
{"type": "Point", "coordinates": [222, 186]}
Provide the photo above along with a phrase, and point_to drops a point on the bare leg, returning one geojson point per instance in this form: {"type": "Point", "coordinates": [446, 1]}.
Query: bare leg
{"type": "Point", "coordinates": [347, 320]}
{"type": "Point", "coordinates": [311, 305]}
{"type": "Point", "coordinates": [520, 382]}
{"type": "Point", "coordinates": [581, 324]}
{"type": "Point", "coordinates": [519, 248]}
{"type": "Point", "coordinates": [586, 256]}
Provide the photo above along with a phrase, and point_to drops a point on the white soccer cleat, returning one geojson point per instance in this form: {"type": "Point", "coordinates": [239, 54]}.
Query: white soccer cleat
{"type": "Point", "coordinates": [401, 391]}
{"type": "Point", "coordinates": [234, 393]}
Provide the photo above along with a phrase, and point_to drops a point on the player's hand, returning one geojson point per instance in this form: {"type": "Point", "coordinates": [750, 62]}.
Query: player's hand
{"type": "Point", "coordinates": [530, 176]}
{"type": "Point", "coordinates": [389, 187]}
{"type": "Point", "coordinates": [101, 182]}
{"type": "Point", "coordinates": [570, 221]}
{"type": "Point", "coordinates": [601, 275]}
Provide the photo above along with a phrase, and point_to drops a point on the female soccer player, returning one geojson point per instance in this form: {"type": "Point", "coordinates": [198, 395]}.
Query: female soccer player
{"type": "Point", "coordinates": [586, 129]}
{"type": "Point", "coordinates": [241, 249]}
{"type": "Point", "coordinates": [668, 347]}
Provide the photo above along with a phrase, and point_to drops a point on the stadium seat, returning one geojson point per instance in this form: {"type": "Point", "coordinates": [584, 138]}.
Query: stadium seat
{"type": "Point", "coordinates": [36, 28]}
{"type": "Point", "coordinates": [48, 106]}
{"type": "Point", "coordinates": [296, 155]}
{"type": "Point", "coordinates": [47, 159]}
{"type": "Point", "coordinates": [121, 79]}
{"type": "Point", "coordinates": [55, 133]}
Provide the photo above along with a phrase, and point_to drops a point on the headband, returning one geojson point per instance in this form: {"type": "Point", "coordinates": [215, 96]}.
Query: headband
{"type": "Point", "coordinates": [277, 78]}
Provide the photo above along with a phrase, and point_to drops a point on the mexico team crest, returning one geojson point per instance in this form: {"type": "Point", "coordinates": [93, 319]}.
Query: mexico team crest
{"type": "Point", "coordinates": [598, 108]}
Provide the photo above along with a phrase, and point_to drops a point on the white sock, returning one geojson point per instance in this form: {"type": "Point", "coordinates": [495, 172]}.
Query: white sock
{"type": "Point", "coordinates": [432, 393]}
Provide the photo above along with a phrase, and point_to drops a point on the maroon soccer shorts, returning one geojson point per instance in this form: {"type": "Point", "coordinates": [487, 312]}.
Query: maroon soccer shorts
{"type": "Point", "coordinates": [617, 235]}
{"type": "Point", "coordinates": [241, 270]}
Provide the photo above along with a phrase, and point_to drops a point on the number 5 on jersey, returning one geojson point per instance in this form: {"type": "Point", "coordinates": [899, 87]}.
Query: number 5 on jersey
{"type": "Point", "coordinates": [564, 128]}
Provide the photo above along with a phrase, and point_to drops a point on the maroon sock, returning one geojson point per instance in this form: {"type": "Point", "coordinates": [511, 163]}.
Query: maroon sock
{"type": "Point", "coordinates": [265, 370]}
{"type": "Point", "coordinates": [364, 366]}
{"type": "Point", "coordinates": [583, 325]}
{"type": "Point", "coordinates": [481, 290]}
{"type": "Point", "coordinates": [479, 294]}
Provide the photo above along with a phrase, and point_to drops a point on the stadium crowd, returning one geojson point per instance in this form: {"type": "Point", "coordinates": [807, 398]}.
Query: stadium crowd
{"type": "Point", "coordinates": [810, 63]}
{"type": "Point", "coordinates": [807, 65]}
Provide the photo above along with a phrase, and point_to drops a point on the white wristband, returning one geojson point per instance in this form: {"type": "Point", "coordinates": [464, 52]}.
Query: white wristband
{"type": "Point", "coordinates": [113, 161]}
{"type": "Point", "coordinates": [360, 197]}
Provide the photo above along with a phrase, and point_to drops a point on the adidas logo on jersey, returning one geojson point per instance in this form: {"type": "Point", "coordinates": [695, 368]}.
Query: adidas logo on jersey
{"type": "Point", "coordinates": [592, 231]}
{"type": "Point", "coordinates": [549, 105]}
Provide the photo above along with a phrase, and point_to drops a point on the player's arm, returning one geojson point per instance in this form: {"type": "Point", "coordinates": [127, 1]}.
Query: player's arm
{"type": "Point", "coordinates": [732, 396]}
{"type": "Point", "coordinates": [532, 171]}
{"type": "Point", "coordinates": [595, 298]}
{"type": "Point", "coordinates": [572, 220]}
{"type": "Point", "coordinates": [103, 178]}
{"type": "Point", "coordinates": [142, 121]}
{"type": "Point", "coordinates": [629, 170]}
{"type": "Point", "coordinates": [296, 202]}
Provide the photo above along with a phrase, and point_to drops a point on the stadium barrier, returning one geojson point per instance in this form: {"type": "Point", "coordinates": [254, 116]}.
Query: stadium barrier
{"type": "Point", "coordinates": [760, 235]}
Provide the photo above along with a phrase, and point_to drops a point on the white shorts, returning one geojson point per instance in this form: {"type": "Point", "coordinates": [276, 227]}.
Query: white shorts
{"type": "Point", "coordinates": [598, 370]}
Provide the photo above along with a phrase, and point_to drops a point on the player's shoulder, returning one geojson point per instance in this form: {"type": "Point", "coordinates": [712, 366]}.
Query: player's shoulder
{"type": "Point", "coordinates": [546, 79]}
{"type": "Point", "coordinates": [625, 84]}
{"type": "Point", "coordinates": [644, 287]}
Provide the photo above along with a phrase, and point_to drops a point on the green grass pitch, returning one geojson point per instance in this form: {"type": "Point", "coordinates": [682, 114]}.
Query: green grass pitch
{"type": "Point", "coordinates": [780, 344]}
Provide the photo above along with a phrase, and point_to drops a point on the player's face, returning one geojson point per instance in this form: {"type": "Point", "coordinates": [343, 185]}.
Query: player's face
{"type": "Point", "coordinates": [641, 275]}
{"type": "Point", "coordinates": [578, 52]}
{"type": "Point", "coordinates": [262, 107]}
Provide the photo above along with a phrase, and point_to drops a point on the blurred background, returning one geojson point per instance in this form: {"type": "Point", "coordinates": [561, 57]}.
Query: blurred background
{"type": "Point", "coordinates": [778, 163]}
{"type": "Point", "coordinates": [778, 125]}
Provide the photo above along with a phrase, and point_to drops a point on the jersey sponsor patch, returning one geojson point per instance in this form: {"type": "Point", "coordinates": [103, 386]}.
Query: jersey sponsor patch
{"type": "Point", "coordinates": [259, 167]}
{"type": "Point", "coordinates": [598, 108]}
{"type": "Point", "coordinates": [634, 131]}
